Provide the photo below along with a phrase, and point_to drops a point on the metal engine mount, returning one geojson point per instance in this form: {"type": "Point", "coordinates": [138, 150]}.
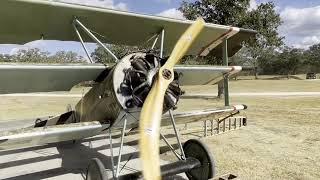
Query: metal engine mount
{"type": "Point", "coordinates": [138, 80]}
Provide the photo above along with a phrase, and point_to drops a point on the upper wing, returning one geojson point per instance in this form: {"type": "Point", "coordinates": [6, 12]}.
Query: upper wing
{"type": "Point", "coordinates": [27, 20]}
{"type": "Point", "coordinates": [24, 78]}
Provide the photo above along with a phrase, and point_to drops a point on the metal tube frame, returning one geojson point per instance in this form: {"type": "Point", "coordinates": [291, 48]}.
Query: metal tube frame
{"type": "Point", "coordinates": [111, 153]}
{"type": "Point", "coordinates": [170, 146]}
{"type": "Point", "coordinates": [82, 43]}
{"type": "Point", "coordinates": [180, 156]}
{"type": "Point", "coordinates": [205, 128]}
{"type": "Point", "coordinates": [89, 33]}
{"type": "Point", "coordinates": [177, 134]}
{"type": "Point", "coordinates": [121, 146]}
{"type": "Point", "coordinates": [212, 128]}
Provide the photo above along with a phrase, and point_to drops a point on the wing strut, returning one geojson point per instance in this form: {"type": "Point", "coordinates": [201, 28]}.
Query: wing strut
{"type": "Point", "coordinates": [76, 22]}
{"type": "Point", "coordinates": [226, 77]}
{"type": "Point", "coordinates": [82, 43]}
{"type": "Point", "coordinates": [155, 41]}
{"type": "Point", "coordinates": [162, 43]}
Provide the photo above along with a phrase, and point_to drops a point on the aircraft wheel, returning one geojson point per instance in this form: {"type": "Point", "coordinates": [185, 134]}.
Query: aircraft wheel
{"type": "Point", "coordinates": [197, 149]}
{"type": "Point", "coordinates": [96, 170]}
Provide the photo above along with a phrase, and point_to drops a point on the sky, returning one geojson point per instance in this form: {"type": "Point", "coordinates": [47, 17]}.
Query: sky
{"type": "Point", "coordinates": [301, 21]}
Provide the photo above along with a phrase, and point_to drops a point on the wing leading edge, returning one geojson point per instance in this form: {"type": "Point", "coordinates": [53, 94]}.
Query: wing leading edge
{"type": "Point", "coordinates": [24, 78]}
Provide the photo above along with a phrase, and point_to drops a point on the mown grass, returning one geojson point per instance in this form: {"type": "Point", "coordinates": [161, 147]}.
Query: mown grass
{"type": "Point", "coordinates": [261, 86]}
{"type": "Point", "coordinates": [281, 140]}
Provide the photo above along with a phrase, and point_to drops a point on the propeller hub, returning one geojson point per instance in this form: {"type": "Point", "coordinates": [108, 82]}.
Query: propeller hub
{"type": "Point", "coordinates": [166, 73]}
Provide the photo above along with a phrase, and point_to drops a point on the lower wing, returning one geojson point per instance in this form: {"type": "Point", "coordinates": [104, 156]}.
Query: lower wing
{"type": "Point", "coordinates": [33, 136]}
{"type": "Point", "coordinates": [57, 129]}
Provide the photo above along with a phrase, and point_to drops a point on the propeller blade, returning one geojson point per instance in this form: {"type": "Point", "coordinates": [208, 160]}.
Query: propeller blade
{"type": "Point", "coordinates": [151, 113]}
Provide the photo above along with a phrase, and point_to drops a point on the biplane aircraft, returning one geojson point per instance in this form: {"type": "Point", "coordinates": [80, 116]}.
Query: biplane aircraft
{"type": "Point", "coordinates": [140, 90]}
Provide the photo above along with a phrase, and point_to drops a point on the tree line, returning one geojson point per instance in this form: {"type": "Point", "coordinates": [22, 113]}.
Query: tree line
{"type": "Point", "coordinates": [35, 55]}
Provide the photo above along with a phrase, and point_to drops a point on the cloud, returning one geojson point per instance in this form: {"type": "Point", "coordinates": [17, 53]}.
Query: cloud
{"type": "Point", "coordinates": [164, 1]}
{"type": "Point", "coordinates": [253, 4]}
{"type": "Point", "coordinates": [100, 3]}
{"type": "Point", "coordinates": [302, 24]}
{"type": "Point", "coordinates": [34, 44]}
{"type": "Point", "coordinates": [307, 42]}
{"type": "Point", "coordinates": [172, 13]}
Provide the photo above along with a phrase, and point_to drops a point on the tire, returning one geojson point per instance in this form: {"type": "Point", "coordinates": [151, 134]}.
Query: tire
{"type": "Point", "coordinates": [96, 170]}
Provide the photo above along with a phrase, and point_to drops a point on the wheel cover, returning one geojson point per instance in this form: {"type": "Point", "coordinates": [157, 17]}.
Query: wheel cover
{"type": "Point", "coordinates": [197, 149]}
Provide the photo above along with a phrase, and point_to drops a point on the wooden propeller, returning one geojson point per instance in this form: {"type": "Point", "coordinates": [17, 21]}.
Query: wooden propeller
{"type": "Point", "coordinates": [151, 113]}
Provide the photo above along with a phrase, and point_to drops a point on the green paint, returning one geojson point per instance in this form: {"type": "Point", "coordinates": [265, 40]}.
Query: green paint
{"type": "Point", "coordinates": [226, 78]}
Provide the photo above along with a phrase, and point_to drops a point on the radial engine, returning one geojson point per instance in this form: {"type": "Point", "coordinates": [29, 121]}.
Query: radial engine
{"type": "Point", "coordinates": [122, 91]}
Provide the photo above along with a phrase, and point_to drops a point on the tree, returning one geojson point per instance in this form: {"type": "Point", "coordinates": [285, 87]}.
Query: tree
{"type": "Point", "coordinates": [66, 57]}
{"type": "Point", "coordinates": [263, 19]}
{"type": "Point", "coordinates": [312, 56]}
{"type": "Point", "coordinates": [227, 12]}
{"type": "Point", "coordinates": [290, 60]}
{"type": "Point", "coordinates": [33, 55]}
{"type": "Point", "coordinates": [102, 56]}
{"type": "Point", "coordinates": [5, 58]}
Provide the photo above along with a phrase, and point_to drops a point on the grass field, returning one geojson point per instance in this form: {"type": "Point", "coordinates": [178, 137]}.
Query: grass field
{"type": "Point", "coordinates": [281, 140]}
